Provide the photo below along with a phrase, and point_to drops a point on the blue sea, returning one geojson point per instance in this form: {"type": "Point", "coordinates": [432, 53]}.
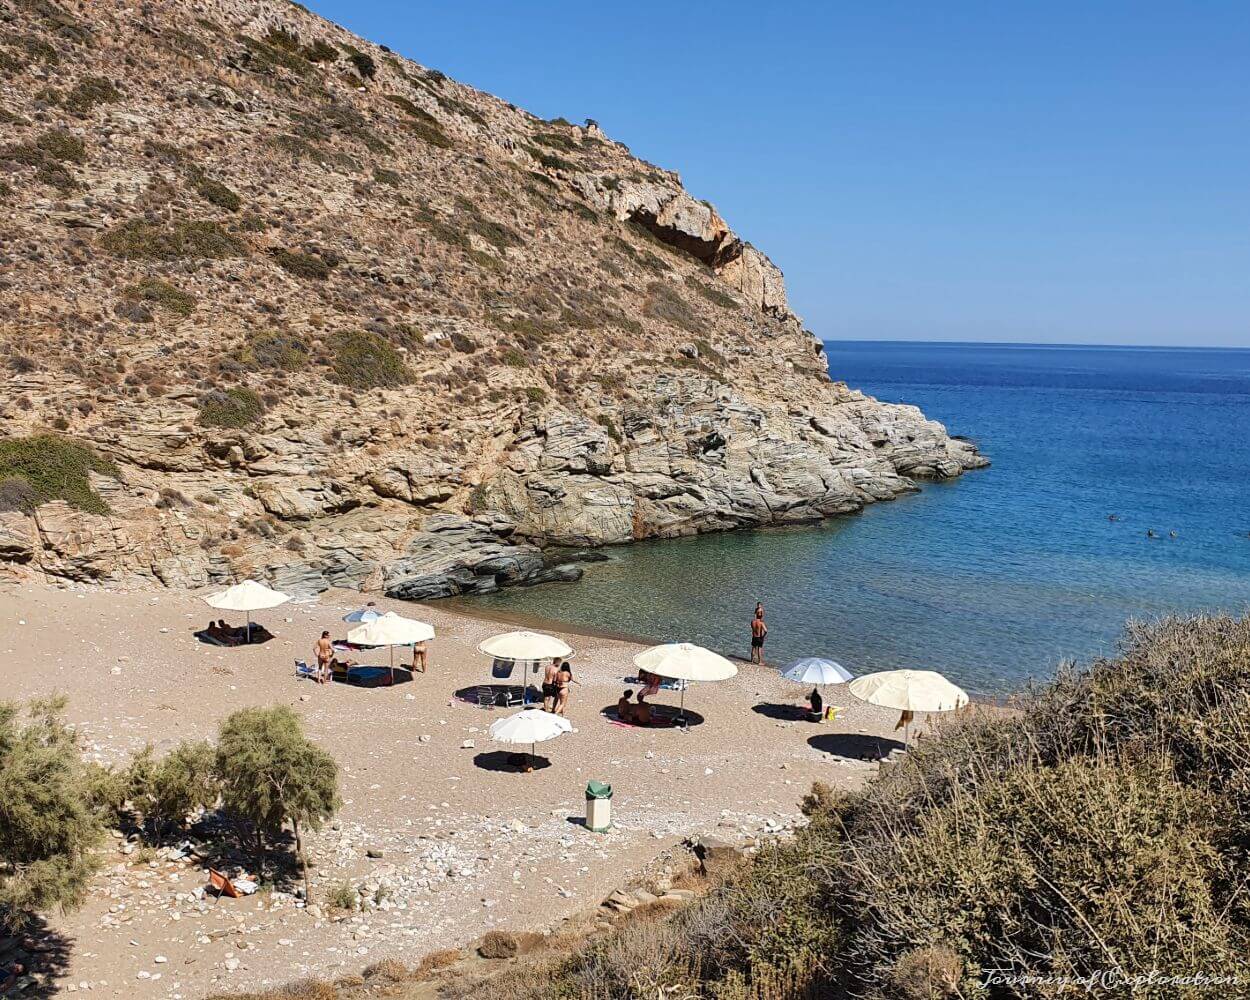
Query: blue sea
{"type": "Point", "coordinates": [999, 575]}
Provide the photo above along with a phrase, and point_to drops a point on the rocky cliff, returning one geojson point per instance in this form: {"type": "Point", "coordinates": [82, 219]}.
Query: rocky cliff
{"type": "Point", "coordinates": [276, 302]}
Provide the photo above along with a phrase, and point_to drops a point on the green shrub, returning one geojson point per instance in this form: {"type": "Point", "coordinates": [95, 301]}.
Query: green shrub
{"type": "Point", "coordinates": [89, 92]}
{"type": "Point", "coordinates": [665, 303]}
{"type": "Point", "coordinates": [364, 360]}
{"type": "Point", "coordinates": [389, 177]}
{"type": "Point", "coordinates": [165, 792]}
{"type": "Point", "coordinates": [56, 144]}
{"type": "Point", "coordinates": [495, 233]}
{"type": "Point", "coordinates": [319, 52]}
{"type": "Point", "coordinates": [48, 829]}
{"type": "Point", "coordinates": [272, 775]}
{"type": "Point", "coordinates": [302, 265]}
{"type": "Point", "coordinates": [214, 191]}
{"type": "Point", "coordinates": [713, 295]}
{"type": "Point", "coordinates": [427, 132]}
{"type": "Point", "coordinates": [163, 294]}
{"type": "Point", "coordinates": [514, 358]}
{"type": "Point", "coordinates": [139, 240]}
{"type": "Point", "coordinates": [557, 141]}
{"type": "Point", "coordinates": [607, 423]}
{"type": "Point", "coordinates": [275, 351]}
{"type": "Point", "coordinates": [56, 469]}
{"type": "Point", "coordinates": [235, 408]}
{"type": "Point", "coordinates": [364, 64]}
{"type": "Point", "coordinates": [343, 896]}
{"type": "Point", "coordinates": [536, 394]}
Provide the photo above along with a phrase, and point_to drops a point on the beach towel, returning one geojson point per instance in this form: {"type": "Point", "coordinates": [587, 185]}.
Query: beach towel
{"type": "Point", "coordinates": [501, 670]}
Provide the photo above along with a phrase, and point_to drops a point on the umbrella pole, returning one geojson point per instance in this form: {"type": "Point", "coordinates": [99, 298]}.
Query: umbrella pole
{"type": "Point", "coordinates": [249, 629]}
{"type": "Point", "coordinates": [683, 705]}
{"type": "Point", "coordinates": [392, 649]}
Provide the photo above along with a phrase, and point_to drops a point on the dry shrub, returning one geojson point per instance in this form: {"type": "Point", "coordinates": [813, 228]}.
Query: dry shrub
{"type": "Point", "coordinates": [388, 970]}
{"type": "Point", "coordinates": [436, 960]}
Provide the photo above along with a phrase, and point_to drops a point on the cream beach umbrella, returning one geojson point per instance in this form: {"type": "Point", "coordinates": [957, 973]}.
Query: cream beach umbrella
{"type": "Point", "coordinates": [525, 646]}
{"type": "Point", "coordinates": [247, 596]}
{"type": "Point", "coordinates": [909, 691]}
{"type": "Point", "coordinates": [391, 630]}
{"type": "Point", "coordinates": [531, 726]}
{"type": "Point", "coordinates": [528, 646]}
{"type": "Point", "coordinates": [684, 661]}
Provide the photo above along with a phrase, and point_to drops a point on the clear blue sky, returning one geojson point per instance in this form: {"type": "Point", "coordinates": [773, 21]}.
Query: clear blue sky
{"type": "Point", "coordinates": [1059, 171]}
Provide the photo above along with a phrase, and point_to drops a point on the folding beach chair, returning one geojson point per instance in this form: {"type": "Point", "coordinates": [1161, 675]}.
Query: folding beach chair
{"type": "Point", "coordinates": [302, 669]}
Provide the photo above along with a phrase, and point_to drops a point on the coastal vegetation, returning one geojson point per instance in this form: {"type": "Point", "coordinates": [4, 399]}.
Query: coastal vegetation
{"type": "Point", "coordinates": [263, 776]}
{"type": "Point", "coordinates": [44, 467]}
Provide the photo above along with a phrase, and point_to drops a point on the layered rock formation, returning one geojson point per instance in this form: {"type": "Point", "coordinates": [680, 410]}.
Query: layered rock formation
{"type": "Point", "coordinates": [331, 318]}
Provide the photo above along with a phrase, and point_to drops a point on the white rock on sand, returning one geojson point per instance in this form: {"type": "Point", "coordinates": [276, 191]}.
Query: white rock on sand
{"type": "Point", "coordinates": [458, 848]}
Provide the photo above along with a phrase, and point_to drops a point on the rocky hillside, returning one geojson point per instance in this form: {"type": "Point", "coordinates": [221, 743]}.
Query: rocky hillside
{"type": "Point", "coordinates": [277, 302]}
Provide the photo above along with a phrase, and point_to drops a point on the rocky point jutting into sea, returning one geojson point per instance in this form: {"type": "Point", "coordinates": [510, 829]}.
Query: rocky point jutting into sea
{"type": "Point", "coordinates": [325, 317]}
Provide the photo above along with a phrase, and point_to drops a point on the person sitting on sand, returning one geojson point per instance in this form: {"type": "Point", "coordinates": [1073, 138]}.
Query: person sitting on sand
{"type": "Point", "coordinates": [818, 704]}
{"type": "Point", "coordinates": [642, 711]}
{"type": "Point", "coordinates": [625, 707]}
{"type": "Point", "coordinates": [337, 667]}
{"type": "Point", "coordinates": [325, 654]}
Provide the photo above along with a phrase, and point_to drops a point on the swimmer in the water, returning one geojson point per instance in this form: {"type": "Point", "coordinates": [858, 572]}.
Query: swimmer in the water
{"type": "Point", "coordinates": [1113, 517]}
{"type": "Point", "coordinates": [1150, 533]}
{"type": "Point", "coordinates": [1171, 534]}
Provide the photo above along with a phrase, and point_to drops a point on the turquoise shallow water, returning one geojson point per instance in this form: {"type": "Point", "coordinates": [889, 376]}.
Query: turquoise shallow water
{"type": "Point", "coordinates": [994, 577]}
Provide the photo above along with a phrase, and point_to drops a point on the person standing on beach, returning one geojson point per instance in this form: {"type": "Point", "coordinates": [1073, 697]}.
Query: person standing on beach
{"type": "Point", "coordinates": [418, 657]}
{"type": "Point", "coordinates": [551, 684]}
{"type": "Point", "coordinates": [758, 632]}
{"type": "Point", "coordinates": [563, 681]}
{"type": "Point", "coordinates": [325, 653]}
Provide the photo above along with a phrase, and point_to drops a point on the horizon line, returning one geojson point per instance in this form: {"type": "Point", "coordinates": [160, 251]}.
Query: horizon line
{"type": "Point", "coordinates": [1027, 343]}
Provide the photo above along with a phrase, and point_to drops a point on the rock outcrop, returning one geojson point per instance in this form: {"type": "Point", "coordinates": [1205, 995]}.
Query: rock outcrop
{"type": "Point", "coordinates": [328, 318]}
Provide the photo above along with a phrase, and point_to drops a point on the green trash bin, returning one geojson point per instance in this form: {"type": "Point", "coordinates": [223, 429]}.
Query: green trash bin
{"type": "Point", "coordinates": [598, 806]}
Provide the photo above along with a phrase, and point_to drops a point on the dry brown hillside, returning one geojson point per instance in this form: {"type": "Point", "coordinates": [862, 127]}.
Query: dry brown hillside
{"type": "Point", "coordinates": [277, 302]}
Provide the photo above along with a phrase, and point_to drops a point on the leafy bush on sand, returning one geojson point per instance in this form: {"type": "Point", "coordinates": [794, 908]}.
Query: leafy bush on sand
{"type": "Point", "coordinates": [233, 408]}
{"type": "Point", "coordinates": [302, 265]}
{"type": "Point", "coordinates": [274, 351]}
{"type": "Point", "coordinates": [53, 468]}
{"type": "Point", "coordinates": [364, 360]}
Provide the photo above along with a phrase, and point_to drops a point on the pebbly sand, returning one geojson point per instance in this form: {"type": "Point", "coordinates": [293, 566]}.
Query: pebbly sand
{"type": "Point", "coordinates": [464, 848]}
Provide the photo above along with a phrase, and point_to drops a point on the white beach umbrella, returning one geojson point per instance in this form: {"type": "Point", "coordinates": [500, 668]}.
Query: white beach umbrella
{"type": "Point", "coordinates": [684, 661]}
{"type": "Point", "coordinates": [247, 596]}
{"type": "Point", "coordinates": [391, 630]}
{"type": "Point", "coordinates": [525, 646]}
{"type": "Point", "coordinates": [531, 726]}
{"type": "Point", "coordinates": [909, 691]}
{"type": "Point", "coordinates": [816, 670]}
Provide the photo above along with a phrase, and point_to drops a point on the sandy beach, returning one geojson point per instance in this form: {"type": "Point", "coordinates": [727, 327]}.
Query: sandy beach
{"type": "Point", "coordinates": [461, 848]}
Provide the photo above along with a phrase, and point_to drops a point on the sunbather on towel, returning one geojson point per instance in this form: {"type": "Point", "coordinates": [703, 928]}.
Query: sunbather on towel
{"type": "Point", "coordinates": [642, 711]}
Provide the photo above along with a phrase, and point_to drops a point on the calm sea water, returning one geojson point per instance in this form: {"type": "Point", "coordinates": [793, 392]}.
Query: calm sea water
{"type": "Point", "coordinates": [996, 576]}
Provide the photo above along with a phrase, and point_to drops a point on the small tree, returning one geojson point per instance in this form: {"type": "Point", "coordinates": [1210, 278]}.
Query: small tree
{"type": "Point", "coordinates": [165, 792]}
{"type": "Point", "coordinates": [48, 825]}
{"type": "Point", "coordinates": [272, 775]}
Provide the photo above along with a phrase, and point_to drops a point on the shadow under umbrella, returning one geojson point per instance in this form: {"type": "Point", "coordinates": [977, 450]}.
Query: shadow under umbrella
{"type": "Point", "coordinates": [508, 760]}
{"type": "Point", "coordinates": [857, 746]}
{"type": "Point", "coordinates": [786, 713]}
{"type": "Point", "coordinates": [662, 717]}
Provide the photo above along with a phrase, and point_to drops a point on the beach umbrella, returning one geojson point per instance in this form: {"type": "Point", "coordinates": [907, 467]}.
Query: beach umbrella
{"type": "Point", "coordinates": [531, 726]}
{"type": "Point", "coordinates": [247, 596]}
{"type": "Point", "coordinates": [362, 615]}
{"type": "Point", "coordinates": [528, 646]}
{"type": "Point", "coordinates": [524, 646]}
{"type": "Point", "coordinates": [684, 661]}
{"type": "Point", "coordinates": [391, 630]}
{"type": "Point", "coordinates": [816, 670]}
{"type": "Point", "coordinates": [909, 691]}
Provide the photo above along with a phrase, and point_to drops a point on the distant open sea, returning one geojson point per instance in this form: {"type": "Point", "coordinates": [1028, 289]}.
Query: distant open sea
{"type": "Point", "coordinates": [996, 576]}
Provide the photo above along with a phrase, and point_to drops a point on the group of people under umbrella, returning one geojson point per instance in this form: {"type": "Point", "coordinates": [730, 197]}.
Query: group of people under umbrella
{"type": "Point", "coordinates": [907, 691]}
